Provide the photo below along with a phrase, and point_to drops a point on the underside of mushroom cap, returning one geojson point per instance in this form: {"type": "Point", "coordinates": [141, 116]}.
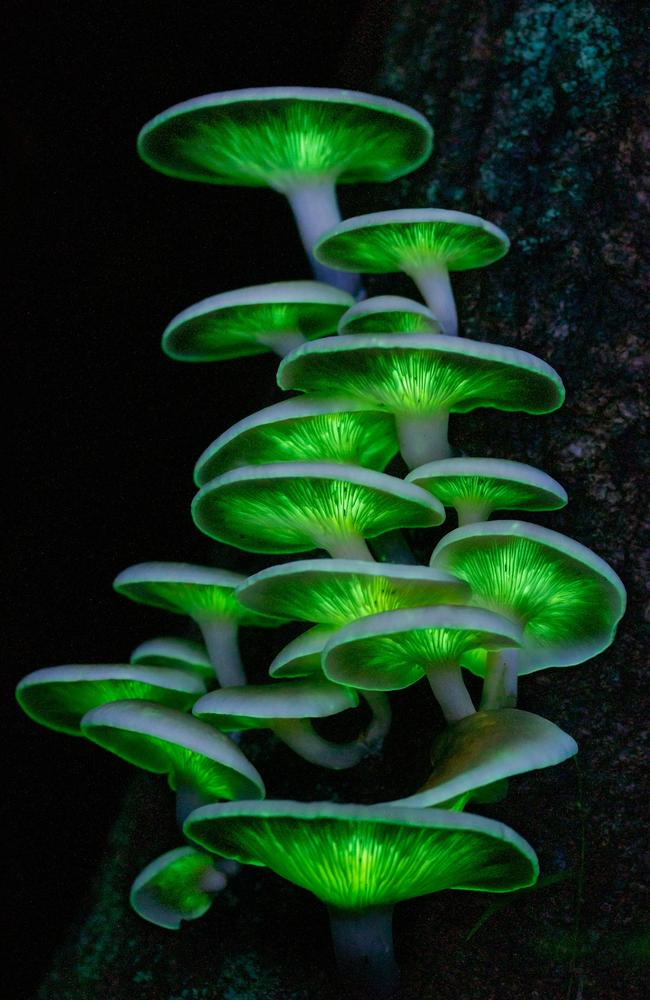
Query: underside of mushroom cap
{"type": "Point", "coordinates": [179, 885]}
{"type": "Point", "coordinates": [165, 741]}
{"type": "Point", "coordinates": [337, 591]}
{"type": "Point", "coordinates": [297, 506]}
{"type": "Point", "coordinates": [388, 314]}
{"type": "Point", "coordinates": [274, 136]}
{"type": "Point", "coordinates": [411, 239]}
{"type": "Point", "coordinates": [255, 706]}
{"type": "Point", "coordinates": [249, 321]}
{"type": "Point", "coordinates": [355, 857]}
{"type": "Point", "coordinates": [171, 651]}
{"type": "Point", "coordinates": [302, 656]}
{"type": "Point", "coordinates": [567, 599]}
{"type": "Point", "coordinates": [303, 429]}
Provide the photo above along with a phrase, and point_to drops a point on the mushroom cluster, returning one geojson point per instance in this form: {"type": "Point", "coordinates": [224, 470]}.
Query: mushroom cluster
{"type": "Point", "coordinates": [375, 381]}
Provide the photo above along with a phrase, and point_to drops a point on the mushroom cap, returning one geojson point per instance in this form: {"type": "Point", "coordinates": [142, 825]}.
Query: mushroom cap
{"type": "Point", "coordinates": [394, 649]}
{"type": "Point", "coordinates": [202, 592]}
{"type": "Point", "coordinates": [388, 314]}
{"type": "Point", "coordinates": [496, 483]}
{"type": "Point", "coordinates": [354, 857]}
{"type": "Point", "coordinates": [243, 322]}
{"type": "Point", "coordinates": [277, 136]}
{"type": "Point", "coordinates": [338, 591]}
{"type": "Point", "coordinates": [295, 506]}
{"type": "Point", "coordinates": [411, 239]}
{"type": "Point", "coordinates": [566, 598]}
{"type": "Point", "coordinates": [487, 747]}
{"type": "Point", "coordinates": [424, 373]}
{"type": "Point", "coordinates": [302, 656]}
{"type": "Point", "coordinates": [172, 888]}
{"type": "Point", "coordinates": [303, 429]}
{"type": "Point", "coordinates": [165, 741]}
{"type": "Point", "coordinates": [59, 697]}
{"type": "Point", "coordinates": [170, 651]}
{"type": "Point", "coordinates": [257, 706]}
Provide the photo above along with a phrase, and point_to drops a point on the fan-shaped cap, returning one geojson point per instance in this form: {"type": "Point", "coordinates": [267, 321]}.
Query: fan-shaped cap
{"type": "Point", "coordinates": [170, 651]}
{"type": "Point", "coordinates": [394, 649]}
{"type": "Point", "coordinates": [388, 314]}
{"type": "Point", "coordinates": [258, 706]}
{"type": "Point", "coordinates": [566, 598]}
{"type": "Point", "coordinates": [58, 697]}
{"type": "Point", "coordinates": [301, 657]}
{"type": "Point", "coordinates": [477, 486]}
{"type": "Point", "coordinates": [165, 741]}
{"type": "Point", "coordinates": [255, 320]}
{"type": "Point", "coordinates": [179, 885]}
{"type": "Point", "coordinates": [338, 591]}
{"type": "Point", "coordinates": [277, 136]}
{"type": "Point", "coordinates": [410, 239]}
{"type": "Point", "coordinates": [487, 747]}
{"type": "Point", "coordinates": [355, 857]}
{"type": "Point", "coordinates": [294, 506]}
{"type": "Point", "coordinates": [424, 373]}
{"type": "Point", "coordinates": [202, 592]}
{"type": "Point", "coordinates": [303, 429]}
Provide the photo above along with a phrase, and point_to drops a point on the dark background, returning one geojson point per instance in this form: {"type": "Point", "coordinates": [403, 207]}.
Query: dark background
{"type": "Point", "coordinates": [104, 430]}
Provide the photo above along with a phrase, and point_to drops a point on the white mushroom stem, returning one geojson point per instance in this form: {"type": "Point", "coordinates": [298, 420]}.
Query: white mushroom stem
{"type": "Point", "coordinates": [187, 800]}
{"type": "Point", "coordinates": [282, 343]}
{"type": "Point", "coordinates": [449, 689]}
{"type": "Point", "coordinates": [435, 287]}
{"type": "Point", "coordinates": [346, 547]}
{"type": "Point", "coordinates": [363, 945]}
{"type": "Point", "coordinates": [316, 209]}
{"type": "Point", "coordinates": [220, 636]}
{"type": "Point", "coordinates": [379, 726]}
{"type": "Point", "coordinates": [423, 438]}
{"type": "Point", "coordinates": [300, 735]}
{"type": "Point", "coordinates": [472, 513]}
{"type": "Point", "coordinates": [500, 684]}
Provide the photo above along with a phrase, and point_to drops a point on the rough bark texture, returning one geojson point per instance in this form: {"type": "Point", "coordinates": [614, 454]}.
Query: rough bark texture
{"type": "Point", "coordinates": [537, 114]}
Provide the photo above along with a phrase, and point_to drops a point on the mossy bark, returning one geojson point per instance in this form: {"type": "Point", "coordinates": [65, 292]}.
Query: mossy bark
{"type": "Point", "coordinates": [537, 112]}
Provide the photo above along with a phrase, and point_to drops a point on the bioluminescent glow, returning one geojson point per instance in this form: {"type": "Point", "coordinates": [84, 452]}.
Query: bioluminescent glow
{"type": "Point", "coordinates": [388, 314]}
{"type": "Point", "coordinates": [356, 857]}
{"type": "Point", "coordinates": [179, 885]}
{"type": "Point", "coordinates": [257, 706]}
{"type": "Point", "coordinates": [302, 656]}
{"type": "Point", "coordinates": [170, 651]}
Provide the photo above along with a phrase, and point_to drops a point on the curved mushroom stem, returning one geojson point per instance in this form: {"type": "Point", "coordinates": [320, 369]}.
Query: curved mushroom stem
{"type": "Point", "coordinates": [423, 439]}
{"type": "Point", "coordinates": [347, 547]}
{"type": "Point", "coordinates": [379, 726]}
{"type": "Point", "coordinates": [300, 735]}
{"type": "Point", "coordinates": [451, 694]}
{"type": "Point", "coordinates": [500, 684]}
{"type": "Point", "coordinates": [220, 636]}
{"type": "Point", "coordinates": [435, 287]}
{"type": "Point", "coordinates": [282, 343]}
{"type": "Point", "coordinates": [316, 209]}
{"type": "Point", "coordinates": [363, 945]}
{"type": "Point", "coordinates": [472, 513]}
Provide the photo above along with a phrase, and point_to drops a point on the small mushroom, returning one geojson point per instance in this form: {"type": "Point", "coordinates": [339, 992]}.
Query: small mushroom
{"type": "Point", "coordinates": [361, 860]}
{"type": "Point", "coordinates": [425, 243]}
{"type": "Point", "coordinates": [170, 651]}
{"type": "Point", "coordinates": [297, 506]}
{"type": "Point", "coordinates": [423, 378]}
{"type": "Point", "coordinates": [274, 317]}
{"type": "Point", "coordinates": [303, 429]}
{"type": "Point", "coordinates": [476, 487]}
{"type": "Point", "coordinates": [394, 649]}
{"type": "Point", "coordinates": [179, 885]}
{"type": "Point", "coordinates": [388, 314]}
{"type": "Point", "coordinates": [300, 141]}
{"type": "Point", "coordinates": [286, 709]}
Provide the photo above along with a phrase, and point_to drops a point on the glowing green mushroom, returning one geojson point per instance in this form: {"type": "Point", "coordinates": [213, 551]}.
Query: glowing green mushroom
{"type": "Point", "coordinates": [425, 243]}
{"type": "Point", "coordinates": [296, 506]}
{"type": "Point", "coordinates": [179, 885]}
{"type": "Point", "coordinates": [303, 430]}
{"type": "Point", "coordinates": [286, 709]}
{"type": "Point", "coordinates": [201, 764]}
{"type": "Point", "coordinates": [486, 748]}
{"type": "Point", "coordinates": [170, 651]}
{"type": "Point", "coordinates": [566, 599]}
{"type": "Point", "coordinates": [300, 141]}
{"type": "Point", "coordinates": [423, 378]}
{"type": "Point", "coordinates": [394, 649]}
{"type": "Point", "coordinates": [477, 486]}
{"type": "Point", "coordinates": [207, 595]}
{"type": "Point", "coordinates": [275, 317]}
{"type": "Point", "coordinates": [338, 591]}
{"type": "Point", "coordinates": [58, 697]}
{"type": "Point", "coordinates": [361, 860]}
{"type": "Point", "coordinates": [388, 314]}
